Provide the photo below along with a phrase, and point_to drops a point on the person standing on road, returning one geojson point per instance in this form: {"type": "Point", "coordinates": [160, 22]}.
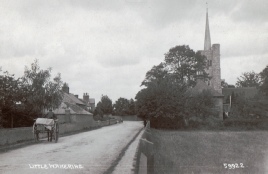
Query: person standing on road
{"type": "Point", "coordinates": [144, 122]}
{"type": "Point", "coordinates": [51, 115]}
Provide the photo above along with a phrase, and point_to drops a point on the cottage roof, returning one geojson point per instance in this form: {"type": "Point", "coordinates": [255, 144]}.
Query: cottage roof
{"type": "Point", "coordinates": [70, 98]}
{"type": "Point", "coordinates": [71, 103]}
{"type": "Point", "coordinates": [76, 109]}
{"type": "Point", "coordinates": [61, 109]}
{"type": "Point", "coordinates": [200, 87]}
{"type": "Point", "coordinates": [84, 102]}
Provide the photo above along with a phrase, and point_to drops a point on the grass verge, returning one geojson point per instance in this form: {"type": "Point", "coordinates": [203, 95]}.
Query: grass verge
{"type": "Point", "coordinates": [208, 151]}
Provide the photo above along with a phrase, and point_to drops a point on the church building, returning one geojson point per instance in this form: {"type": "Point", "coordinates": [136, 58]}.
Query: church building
{"type": "Point", "coordinates": [213, 69]}
{"type": "Point", "coordinates": [213, 60]}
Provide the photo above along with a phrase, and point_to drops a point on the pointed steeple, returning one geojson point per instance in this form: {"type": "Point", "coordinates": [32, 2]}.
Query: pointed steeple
{"type": "Point", "coordinates": [207, 45]}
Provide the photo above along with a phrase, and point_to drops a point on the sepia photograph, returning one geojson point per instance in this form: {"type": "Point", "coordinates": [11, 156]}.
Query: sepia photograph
{"type": "Point", "coordinates": [134, 87]}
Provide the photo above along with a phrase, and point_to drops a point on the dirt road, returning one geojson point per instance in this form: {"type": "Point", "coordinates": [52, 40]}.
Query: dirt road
{"type": "Point", "coordinates": [96, 151]}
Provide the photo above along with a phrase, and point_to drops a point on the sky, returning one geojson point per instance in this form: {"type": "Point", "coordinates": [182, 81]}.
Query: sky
{"type": "Point", "coordinates": [106, 47]}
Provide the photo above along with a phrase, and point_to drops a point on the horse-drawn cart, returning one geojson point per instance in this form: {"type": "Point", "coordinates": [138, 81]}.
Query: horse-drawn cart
{"type": "Point", "coordinates": [45, 125]}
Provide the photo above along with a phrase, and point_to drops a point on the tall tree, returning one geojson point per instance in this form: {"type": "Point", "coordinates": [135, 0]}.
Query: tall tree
{"type": "Point", "coordinates": [25, 98]}
{"type": "Point", "coordinates": [104, 107]}
{"type": "Point", "coordinates": [121, 106]}
{"type": "Point", "coordinates": [200, 104]}
{"type": "Point", "coordinates": [249, 79]}
{"type": "Point", "coordinates": [42, 93]}
{"type": "Point", "coordinates": [164, 99]}
{"type": "Point", "coordinates": [124, 107]}
{"type": "Point", "coordinates": [132, 107]}
{"type": "Point", "coordinates": [181, 63]}
{"type": "Point", "coordinates": [11, 93]}
{"type": "Point", "coordinates": [155, 74]}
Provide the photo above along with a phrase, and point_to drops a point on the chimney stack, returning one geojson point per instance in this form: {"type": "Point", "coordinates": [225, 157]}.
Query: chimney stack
{"type": "Point", "coordinates": [86, 97]}
{"type": "Point", "coordinates": [65, 89]}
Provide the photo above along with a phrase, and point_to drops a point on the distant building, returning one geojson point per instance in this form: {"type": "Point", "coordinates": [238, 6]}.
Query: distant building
{"type": "Point", "coordinates": [72, 107]}
{"type": "Point", "coordinates": [89, 102]}
{"type": "Point", "coordinates": [92, 103]}
{"type": "Point", "coordinates": [85, 103]}
{"type": "Point", "coordinates": [71, 102]}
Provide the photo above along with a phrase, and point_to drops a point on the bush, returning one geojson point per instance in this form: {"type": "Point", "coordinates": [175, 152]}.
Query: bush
{"type": "Point", "coordinates": [194, 122]}
{"type": "Point", "coordinates": [167, 122]}
{"type": "Point", "coordinates": [208, 123]}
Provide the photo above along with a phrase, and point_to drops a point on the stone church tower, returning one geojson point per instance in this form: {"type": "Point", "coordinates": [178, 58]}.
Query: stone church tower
{"type": "Point", "coordinates": [213, 60]}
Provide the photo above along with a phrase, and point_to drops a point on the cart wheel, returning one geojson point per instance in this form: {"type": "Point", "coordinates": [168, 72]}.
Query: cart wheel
{"type": "Point", "coordinates": [35, 133]}
{"type": "Point", "coordinates": [56, 132]}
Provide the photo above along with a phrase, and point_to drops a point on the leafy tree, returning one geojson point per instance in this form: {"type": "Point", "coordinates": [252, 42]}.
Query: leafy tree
{"type": "Point", "coordinates": [264, 81]}
{"type": "Point", "coordinates": [248, 79]}
{"type": "Point", "coordinates": [42, 93]}
{"type": "Point", "coordinates": [124, 107]}
{"type": "Point", "coordinates": [104, 107]}
{"type": "Point", "coordinates": [155, 74]}
{"type": "Point", "coordinates": [164, 100]}
{"type": "Point", "coordinates": [161, 99]}
{"type": "Point", "coordinates": [121, 107]}
{"type": "Point", "coordinates": [132, 107]}
{"type": "Point", "coordinates": [98, 110]}
{"type": "Point", "coordinates": [200, 105]}
{"type": "Point", "coordinates": [183, 63]}
{"type": "Point", "coordinates": [25, 98]}
{"type": "Point", "coordinates": [240, 106]}
{"type": "Point", "coordinates": [11, 93]}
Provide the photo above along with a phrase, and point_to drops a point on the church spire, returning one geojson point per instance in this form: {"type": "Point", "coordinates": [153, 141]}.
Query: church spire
{"type": "Point", "coordinates": [207, 45]}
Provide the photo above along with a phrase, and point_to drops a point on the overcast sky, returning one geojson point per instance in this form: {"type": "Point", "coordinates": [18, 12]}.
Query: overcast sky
{"type": "Point", "coordinates": [106, 47]}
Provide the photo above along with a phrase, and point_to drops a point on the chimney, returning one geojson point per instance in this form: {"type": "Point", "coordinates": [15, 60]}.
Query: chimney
{"type": "Point", "coordinates": [86, 97]}
{"type": "Point", "coordinates": [76, 96]}
{"type": "Point", "coordinates": [65, 88]}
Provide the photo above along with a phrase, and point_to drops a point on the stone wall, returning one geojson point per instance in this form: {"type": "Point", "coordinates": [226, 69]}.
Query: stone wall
{"type": "Point", "coordinates": [15, 135]}
{"type": "Point", "coordinates": [75, 118]}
